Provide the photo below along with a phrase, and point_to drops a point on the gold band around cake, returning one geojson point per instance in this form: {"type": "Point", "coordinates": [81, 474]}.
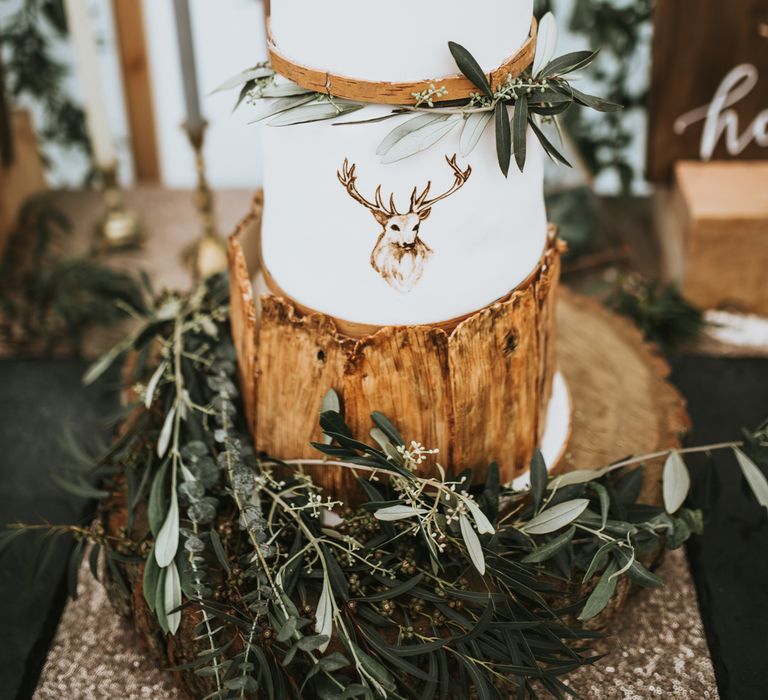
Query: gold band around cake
{"type": "Point", "coordinates": [457, 86]}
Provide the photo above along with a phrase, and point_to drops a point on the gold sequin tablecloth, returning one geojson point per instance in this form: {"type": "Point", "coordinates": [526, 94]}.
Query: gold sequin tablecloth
{"type": "Point", "coordinates": [656, 649]}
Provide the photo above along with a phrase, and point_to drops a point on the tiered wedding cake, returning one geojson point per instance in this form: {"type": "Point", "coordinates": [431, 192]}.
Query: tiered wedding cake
{"type": "Point", "coordinates": [398, 258]}
{"type": "Point", "coordinates": [329, 246]}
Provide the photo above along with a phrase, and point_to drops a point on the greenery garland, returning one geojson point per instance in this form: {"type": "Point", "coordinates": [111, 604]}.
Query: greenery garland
{"type": "Point", "coordinates": [539, 95]}
{"type": "Point", "coordinates": [431, 587]}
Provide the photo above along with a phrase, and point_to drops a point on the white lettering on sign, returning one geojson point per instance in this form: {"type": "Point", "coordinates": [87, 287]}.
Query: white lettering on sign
{"type": "Point", "coordinates": [720, 120]}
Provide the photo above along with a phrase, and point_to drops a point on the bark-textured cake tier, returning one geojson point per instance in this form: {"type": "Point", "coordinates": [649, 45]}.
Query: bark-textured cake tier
{"type": "Point", "coordinates": [397, 40]}
{"type": "Point", "coordinates": [476, 388]}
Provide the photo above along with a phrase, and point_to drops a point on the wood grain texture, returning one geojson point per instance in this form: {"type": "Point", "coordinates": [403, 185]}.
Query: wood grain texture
{"type": "Point", "coordinates": [695, 45]}
{"type": "Point", "coordinates": [243, 319]}
{"type": "Point", "coordinates": [458, 86]}
{"type": "Point", "coordinates": [718, 212]}
{"type": "Point", "coordinates": [403, 373]}
{"type": "Point", "coordinates": [546, 292]}
{"type": "Point", "coordinates": [477, 391]}
{"type": "Point", "coordinates": [299, 359]}
{"type": "Point", "coordinates": [495, 365]}
{"type": "Point", "coordinates": [134, 65]}
{"type": "Point", "coordinates": [622, 403]}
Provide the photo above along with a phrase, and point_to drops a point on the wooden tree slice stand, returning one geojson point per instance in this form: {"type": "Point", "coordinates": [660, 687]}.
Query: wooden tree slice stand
{"type": "Point", "coordinates": [476, 388]}
{"type": "Point", "coordinates": [621, 404]}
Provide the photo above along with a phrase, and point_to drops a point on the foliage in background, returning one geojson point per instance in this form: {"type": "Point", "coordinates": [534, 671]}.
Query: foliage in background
{"type": "Point", "coordinates": [433, 586]}
{"type": "Point", "coordinates": [32, 71]}
{"type": "Point", "coordinates": [621, 30]}
{"type": "Point", "coordinates": [48, 302]}
{"type": "Point", "coordinates": [664, 315]}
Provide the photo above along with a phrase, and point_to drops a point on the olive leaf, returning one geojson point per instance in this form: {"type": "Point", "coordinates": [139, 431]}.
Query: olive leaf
{"type": "Point", "coordinates": [472, 542]}
{"type": "Point", "coordinates": [568, 62]}
{"type": "Point", "coordinates": [598, 559]}
{"type": "Point", "coordinates": [601, 595]}
{"type": "Point", "coordinates": [164, 438]}
{"type": "Point", "coordinates": [407, 127]}
{"type": "Point", "coordinates": [519, 131]}
{"type": "Point", "coordinates": [285, 90]}
{"type": "Point", "coordinates": [474, 126]}
{"type": "Point", "coordinates": [330, 403]}
{"type": "Point", "coordinates": [269, 108]}
{"type": "Point", "coordinates": [167, 542]}
{"type": "Point", "coordinates": [484, 526]}
{"type": "Point", "coordinates": [503, 138]}
{"type": "Point", "coordinates": [255, 73]}
{"type": "Point", "coordinates": [549, 549]}
{"type": "Point", "coordinates": [79, 487]}
{"type": "Point", "coordinates": [172, 597]}
{"type": "Point", "coordinates": [550, 150]}
{"type": "Point", "coordinates": [546, 42]}
{"type": "Point", "coordinates": [557, 516]}
{"type": "Point", "coordinates": [398, 512]}
{"type": "Point", "coordinates": [605, 501]}
{"type": "Point", "coordinates": [150, 578]}
{"type": "Point", "coordinates": [159, 595]}
{"type": "Point", "coordinates": [677, 482]}
{"type": "Point", "coordinates": [324, 614]}
{"type": "Point", "coordinates": [539, 475]}
{"type": "Point", "coordinates": [314, 111]}
{"type": "Point", "coordinates": [153, 382]}
{"type": "Point", "coordinates": [421, 139]}
{"type": "Point", "coordinates": [383, 441]}
{"type": "Point", "coordinates": [103, 363]}
{"type": "Point", "coordinates": [383, 423]}
{"type": "Point", "coordinates": [470, 67]}
{"type": "Point", "coordinates": [755, 478]}
{"type": "Point", "coordinates": [578, 476]}
{"type": "Point", "coordinates": [593, 102]}
{"type": "Point", "coordinates": [156, 507]}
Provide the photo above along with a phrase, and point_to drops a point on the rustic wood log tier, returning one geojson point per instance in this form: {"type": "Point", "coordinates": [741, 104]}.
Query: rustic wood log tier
{"type": "Point", "coordinates": [476, 388]}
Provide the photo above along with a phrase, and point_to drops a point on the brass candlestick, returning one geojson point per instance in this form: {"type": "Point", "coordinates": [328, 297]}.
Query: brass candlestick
{"type": "Point", "coordinates": [208, 255]}
{"type": "Point", "coordinates": [119, 227]}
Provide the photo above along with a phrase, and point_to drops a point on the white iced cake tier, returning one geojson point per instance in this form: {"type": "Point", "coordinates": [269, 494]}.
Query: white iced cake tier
{"type": "Point", "coordinates": [425, 239]}
{"type": "Point", "coordinates": [397, 40]}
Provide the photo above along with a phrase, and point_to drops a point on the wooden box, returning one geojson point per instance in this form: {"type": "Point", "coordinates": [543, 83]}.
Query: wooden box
{"type": "Point", "coordinates": [714, 233]}
{"type": "Point", "coordinates": [708, 83]}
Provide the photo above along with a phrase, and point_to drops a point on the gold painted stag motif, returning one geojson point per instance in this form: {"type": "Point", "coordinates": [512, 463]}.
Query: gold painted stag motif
{"type": "Point", "coordinates": [400, 254]}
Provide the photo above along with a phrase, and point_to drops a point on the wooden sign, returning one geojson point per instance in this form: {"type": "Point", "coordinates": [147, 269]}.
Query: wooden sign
{"type": "Point", "coordinates": [709, 83]}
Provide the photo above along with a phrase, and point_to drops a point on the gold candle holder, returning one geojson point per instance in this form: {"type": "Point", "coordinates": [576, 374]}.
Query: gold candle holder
{"type": "Point", "coordinates": [119, 227]}
{"type": "Point", "coordinates": [207, 255]}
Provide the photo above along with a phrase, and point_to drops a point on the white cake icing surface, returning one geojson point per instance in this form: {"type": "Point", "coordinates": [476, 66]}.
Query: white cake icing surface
{"type": "Point", "coordinates": [397, 40]}
{"type": "Point", "coordinates": [485, 238]}
{"type": "Point", "coordinates": [557, 430]}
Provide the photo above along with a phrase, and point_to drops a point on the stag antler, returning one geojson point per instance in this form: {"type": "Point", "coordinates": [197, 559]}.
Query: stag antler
{"type": "Point", "coordinates": [421, 205]}
{"type": "Point", "coordinates": [348, 178]}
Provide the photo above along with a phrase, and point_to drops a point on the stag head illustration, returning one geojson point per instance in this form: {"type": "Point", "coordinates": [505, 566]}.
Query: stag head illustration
{"type": "Point", "coordinates": [399, 254]}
